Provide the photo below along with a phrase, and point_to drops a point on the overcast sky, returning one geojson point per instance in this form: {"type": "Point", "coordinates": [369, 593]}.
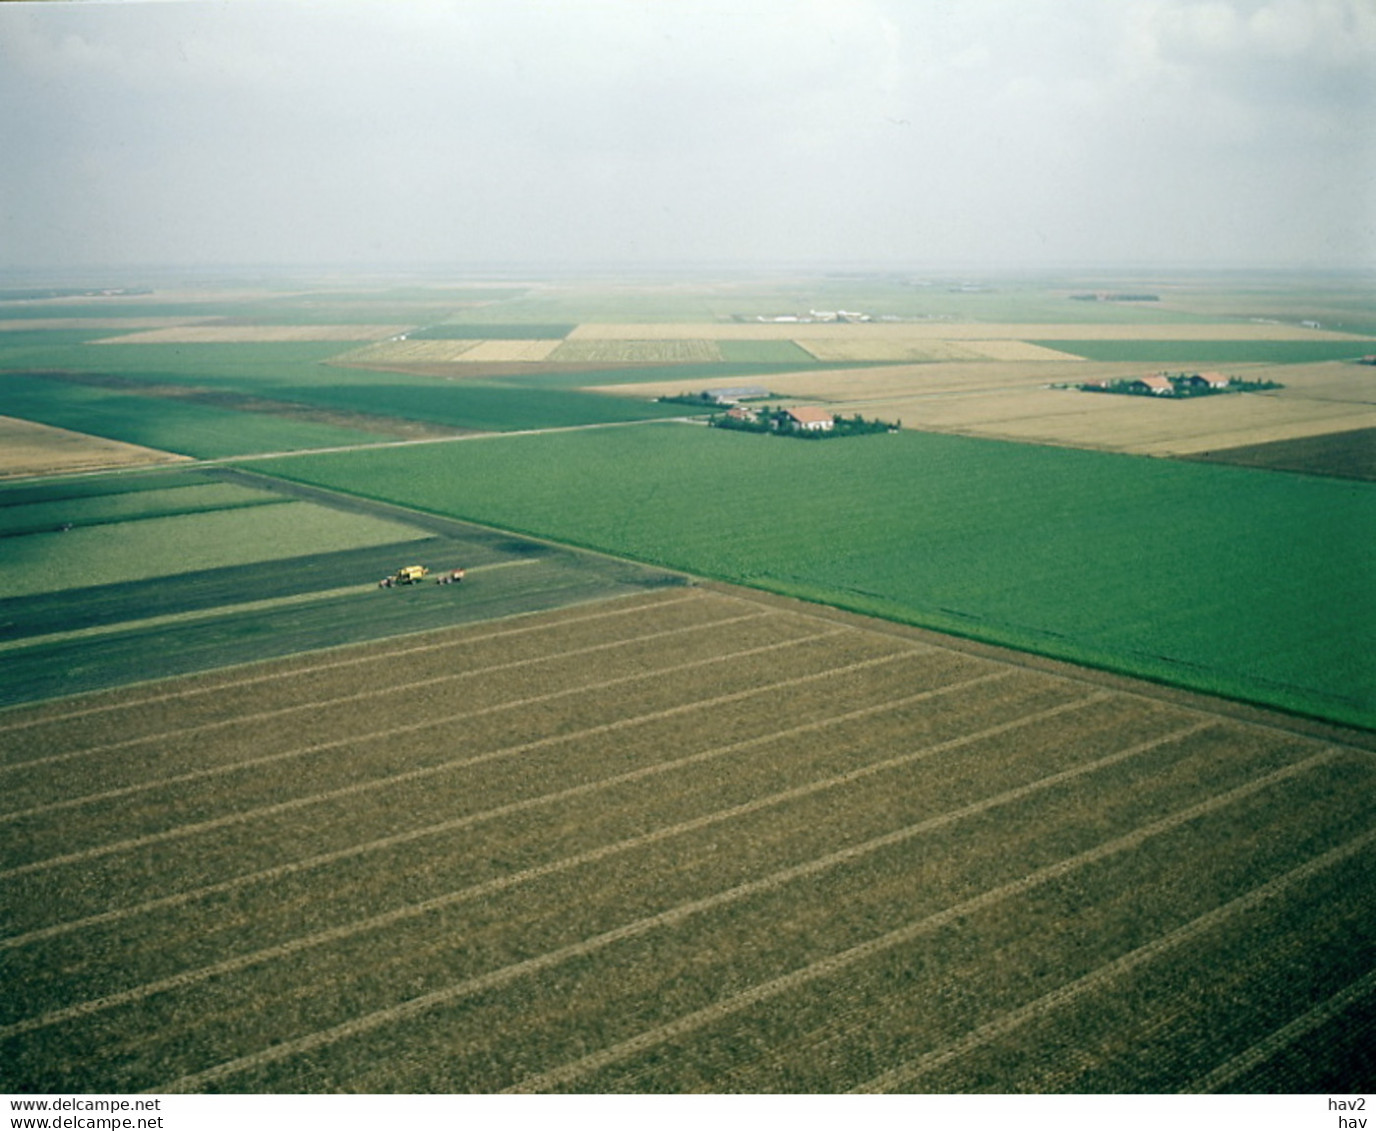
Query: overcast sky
{"type": "Point", "coordinates": [648, 133]}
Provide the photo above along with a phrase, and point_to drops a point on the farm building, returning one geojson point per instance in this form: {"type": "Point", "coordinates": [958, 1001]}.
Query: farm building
{"type": "Point", "coordinates": [810, 419]}
{"type": "Point", "coordinates": [741, 412]}
{"type": "Point", "coordinates": [731, 396]}
{"type": "Point", "coordinates": [1157, 384]}
{"type": "Point", "coordinates": [1209, 380]}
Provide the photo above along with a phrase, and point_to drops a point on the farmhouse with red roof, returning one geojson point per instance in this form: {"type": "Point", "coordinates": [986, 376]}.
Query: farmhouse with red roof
{"type": "Point", "coordinates": [810, 418]}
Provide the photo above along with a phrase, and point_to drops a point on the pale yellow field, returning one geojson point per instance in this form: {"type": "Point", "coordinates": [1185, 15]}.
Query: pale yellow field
{"type": "Point", "coordinates": [625, 349]}
{"type": "Point", "coordinates": [511, 349]}
{"type": "Point", "coordinates": [888, 349]}
{"type": "Point", "coordinates": [959, 331]}
{"type": "Point", "coordinates": [948, 377]}
{"type": "Point", "coordinates": [411, 352]}
{"type": "Point", "coordinates": [1015, 400]}
{"type": "Point", "coordinates": [216, 332]}
{"type": "Point", "coordinates": [1116, 423]}
{"type": "Point", "coordinates": [36, 449]}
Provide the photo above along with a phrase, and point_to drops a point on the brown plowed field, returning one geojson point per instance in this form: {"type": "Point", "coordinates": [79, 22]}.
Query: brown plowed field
{"type": "Point", "coordinates": [682, 840]}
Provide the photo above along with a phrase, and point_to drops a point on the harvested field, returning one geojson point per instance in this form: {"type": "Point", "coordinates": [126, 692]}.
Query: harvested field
{"type": "Point", "coordinates": [1142, 425]}
{"type": "Point", "coordinates": [234, 332]}
{"type": "Point", "coordinates": [689, 840]}
{"type": "Point", "coordinates": [1005, 349]}
{"type": "Point", "coordinates": [941, 329]}
{"type": "Point", "coordinates": [411, 351]}
{"type": "Point", "coordinates": [27, 448]}
{"type": "Point", "coordinates": [653, 350]}
{"type": "Point", "coordinates": [513, 349]}
{"type": "Point", "coordinates": [1014, 400]}
{"type": "Point", "coordinates": [875, 383]}
{"type": "Point", "coordinates": [888, 349]}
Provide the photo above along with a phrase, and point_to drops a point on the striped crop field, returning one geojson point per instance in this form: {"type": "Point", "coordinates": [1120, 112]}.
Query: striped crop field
{"type": "Point", "coordinates": [688, 840]}
{"type": "Point", "coordinates": [649, 350]}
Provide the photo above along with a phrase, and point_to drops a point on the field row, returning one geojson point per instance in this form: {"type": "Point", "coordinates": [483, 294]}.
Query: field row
{"type": "Point", "coordinates": [235, 332]}
{"type": "Point", "coordinates": [961, 330]}
{"type": "Point", "coordinates": [685, 840]}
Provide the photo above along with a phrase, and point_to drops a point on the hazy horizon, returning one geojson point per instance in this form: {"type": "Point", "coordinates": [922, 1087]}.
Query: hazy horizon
{"type": "Point", "coordinates": [617, 136]}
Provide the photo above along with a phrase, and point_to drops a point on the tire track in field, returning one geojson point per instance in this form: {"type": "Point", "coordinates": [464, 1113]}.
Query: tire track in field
{"type": "Point", "coordinates": [163, 903]}
{"type": "Point", "coordinates": [832, 964]}
{"type": "Point", "coordinates": [216, 612]}
{"type": "Point", "coordinates": [1286, 1035]}
{"type": "Point", "coordinates": [835, 963]}
{"type": "Point", "coordinates": [355, 788]}
{"type": "Point", "coordinates": [675, 915]}
{"type": "Point", "coordinates": [318, 704]}
{"type": "Point", "coordinates": [370, 657]}
{"type": "Point", "coordinates": [527, 875]}
{"type": "Point", "coordinates": [1071, 991]}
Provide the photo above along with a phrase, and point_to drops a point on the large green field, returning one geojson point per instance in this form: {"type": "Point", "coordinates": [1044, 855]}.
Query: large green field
{"type": "Point", "coordinates": [103, 387]}
{"type": "Point", "coordinates": [1246, 583]}
{"type": "Point", "coordinates": [166, 423]}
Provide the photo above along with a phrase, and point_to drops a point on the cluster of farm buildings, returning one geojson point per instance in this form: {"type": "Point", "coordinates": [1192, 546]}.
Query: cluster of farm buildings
{"type": "Point", "coordinates": [1160, 384]}
{"type": "Point", "coordinates": [802, 418]}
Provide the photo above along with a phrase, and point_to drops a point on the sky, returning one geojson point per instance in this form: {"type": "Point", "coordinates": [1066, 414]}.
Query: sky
{"type": "Point", "coordinates": [885, 134]}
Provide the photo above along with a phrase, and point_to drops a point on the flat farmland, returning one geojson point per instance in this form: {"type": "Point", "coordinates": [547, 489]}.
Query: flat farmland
{"type": "Point", "coordinates": [429, 351]}
{"type": "Point", "coordinates": [216, 332]}
{"type": "Point", "coordinates": [629, 350]}
{"type": "Point", "coordinates": [683, 840]}
{"type": "Point", "coordinates": [27, 448]}
{"type": "Point", "coordinates": [959, 330]}
{"type": "Point", "coordinates": [1019, 400]}
{"type": "Point", "coordinates": [930, 349]}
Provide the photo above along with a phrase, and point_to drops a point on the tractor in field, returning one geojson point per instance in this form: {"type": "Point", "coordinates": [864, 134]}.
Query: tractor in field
{"type": "Point", "coordinates": [406, 575]}
{"type": "Point", "coordinates": [449, 577]}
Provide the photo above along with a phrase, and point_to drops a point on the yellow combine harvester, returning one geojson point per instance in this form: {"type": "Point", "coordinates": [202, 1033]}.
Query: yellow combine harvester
{"type": "Point", "coordinates": [406, 575]}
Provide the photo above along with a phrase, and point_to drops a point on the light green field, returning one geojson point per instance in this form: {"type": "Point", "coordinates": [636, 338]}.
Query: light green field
{"type": "Point", "coordinates": [157, 547]}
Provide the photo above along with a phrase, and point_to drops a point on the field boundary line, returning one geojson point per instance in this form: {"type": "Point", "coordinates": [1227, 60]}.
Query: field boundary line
{"type": "Point", "coordinates": [455, 823]}
{"type": "Point", "coordinates": [298, 667]}
{"type": "Point", "coordinates": [904, 1074]}
{"type": "Point", "coordinates": [264, 759]}
{"type": "Point", "coordinates": [675, 915]}
{"type": "Point", "coordinates": [834, 963]}
{"type": "Point", "coordinates": [243, 815]}
{"type": "Point", "coordinates": [515, 879]}
{"type": "Point", "coordinates": [1286, 1035]}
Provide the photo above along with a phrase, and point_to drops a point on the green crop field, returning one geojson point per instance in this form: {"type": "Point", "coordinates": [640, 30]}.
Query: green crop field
{"type": "Point", "coordinates": [1212, 352]}
{"type": "Point", "coordinates": [97, 397]}
{"type": "Point", "coordinates": [765, 351]}
{"type": "Point", "coordinates": [1245, 583]}
{"type": "Point", "coordinates": [181, 543]}
{"type": "Point", "coordinates": [108, 508]}
{"type": "Point", "coordinates": [167, 424]}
